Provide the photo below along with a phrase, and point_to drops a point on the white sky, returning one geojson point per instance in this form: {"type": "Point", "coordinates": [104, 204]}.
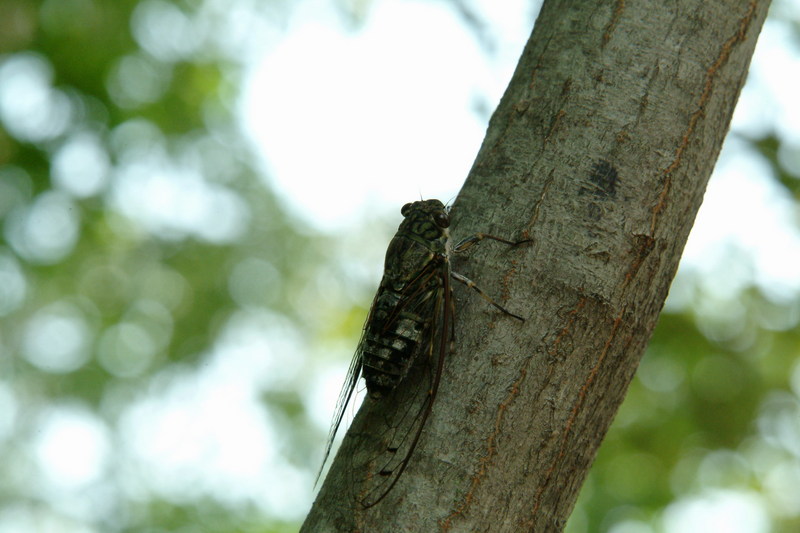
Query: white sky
{"type": "Point", "coordinates": [381, 115]}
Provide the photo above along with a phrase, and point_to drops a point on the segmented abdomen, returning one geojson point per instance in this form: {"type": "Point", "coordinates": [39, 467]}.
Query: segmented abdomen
{"type": "Point", "coordinates": [391, 343]}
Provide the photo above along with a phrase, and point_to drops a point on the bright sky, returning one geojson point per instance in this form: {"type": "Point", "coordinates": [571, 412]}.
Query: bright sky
{"type": "Point", "coordinates": [380, 115]}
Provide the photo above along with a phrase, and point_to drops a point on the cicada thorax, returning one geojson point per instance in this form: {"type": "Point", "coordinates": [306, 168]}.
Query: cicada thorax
{"type": "Point", "coordinates": [400, 324]}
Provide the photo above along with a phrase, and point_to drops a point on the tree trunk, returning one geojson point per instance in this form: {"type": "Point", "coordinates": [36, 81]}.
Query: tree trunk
{"type": "Point", "coordinates": [599, 151]}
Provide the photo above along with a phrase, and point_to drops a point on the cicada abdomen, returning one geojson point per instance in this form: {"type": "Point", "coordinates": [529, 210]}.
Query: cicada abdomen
{"type": "Point", "coordinates": [390, 346]}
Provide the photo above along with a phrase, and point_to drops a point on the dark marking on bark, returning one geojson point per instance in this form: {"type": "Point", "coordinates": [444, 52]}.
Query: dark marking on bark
{"type": "Point", "coordinates": [604, 179]}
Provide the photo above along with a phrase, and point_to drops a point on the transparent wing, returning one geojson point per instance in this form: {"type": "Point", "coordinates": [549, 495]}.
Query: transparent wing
{"type": "Point", "coordinates": [401, 416]}
{"type": "Point", "coordinates": [345, 395]}
{"type": "Point", "coordinates": [397, 419]}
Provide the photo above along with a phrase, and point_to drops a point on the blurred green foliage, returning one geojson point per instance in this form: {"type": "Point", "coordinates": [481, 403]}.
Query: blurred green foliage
{"type": "Point", "coordinates": [102, 290]}
{"type": "Point", "coordinates": [140, 238]}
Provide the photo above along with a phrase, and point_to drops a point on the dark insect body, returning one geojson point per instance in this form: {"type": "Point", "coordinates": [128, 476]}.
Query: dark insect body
{"type": "Point", "coordinates": [410, 324]}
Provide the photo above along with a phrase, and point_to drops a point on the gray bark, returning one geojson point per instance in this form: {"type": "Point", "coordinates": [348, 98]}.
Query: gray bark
{"type": "Point", "coordinates": [600, 151]}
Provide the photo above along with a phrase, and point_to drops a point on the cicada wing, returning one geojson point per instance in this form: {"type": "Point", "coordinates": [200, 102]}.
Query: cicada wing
{"type": "Point", "coordinates": [400, 416]}
{"type": "Point", "coordinates": [345, 395]}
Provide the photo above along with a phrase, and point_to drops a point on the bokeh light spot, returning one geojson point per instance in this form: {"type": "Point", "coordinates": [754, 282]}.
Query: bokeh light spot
{"type": "Point", "coordinates": [56, 338]}
{"type": "Point", "coordinates": [717, 511]}
{"type": "Point", "coordinates": [137, 80]}
{"type": "Point", "coordinates": [30, 109]}
{"type": "Point", "coordinates": [174, 202]}
{"type": "Point", "coordinates": [81, 165]}
{"type": "Point", "coordinates": [72, 446]}
{"type": "Point", "coordinates": [47, 230]}
{"type": "Point", "coordinates": [164, 30]}
{"type": "Point", "coordinates": [126, 350]}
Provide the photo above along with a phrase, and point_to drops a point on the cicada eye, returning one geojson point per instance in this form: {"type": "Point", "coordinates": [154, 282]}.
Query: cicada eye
{"type": "Point", "coordinates": [405, 209]}
{"type": "Point", "coordinates": [442, 220]}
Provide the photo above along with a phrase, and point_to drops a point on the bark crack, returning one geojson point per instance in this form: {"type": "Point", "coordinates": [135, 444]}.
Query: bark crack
{"type": "Point", "coordinates": [491, 441]}
{"type": "Point", "coordinates": [612, 24]}
{"type": "Point", "coordinates": [576, 409]}
{"type": "Point", "coordinates": [711, 73]}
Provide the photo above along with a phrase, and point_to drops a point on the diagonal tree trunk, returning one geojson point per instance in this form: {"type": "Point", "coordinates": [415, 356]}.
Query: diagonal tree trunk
{"type": "Point", "coordinates": [599, 151]}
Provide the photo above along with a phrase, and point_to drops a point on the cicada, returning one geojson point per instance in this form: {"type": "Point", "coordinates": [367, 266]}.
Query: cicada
{"type": "Point", "coordinates": [409, 328]}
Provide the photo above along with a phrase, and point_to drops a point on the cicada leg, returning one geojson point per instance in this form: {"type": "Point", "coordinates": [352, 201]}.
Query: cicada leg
{"type": "Point", "coordinates": [478, 237]}
{"type": "Point", "coordinates": [468, 242]}
{"type": "Point", "coordinates": [471, 284]}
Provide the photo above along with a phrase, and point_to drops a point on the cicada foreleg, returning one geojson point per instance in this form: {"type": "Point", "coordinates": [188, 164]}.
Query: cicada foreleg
{"type": "Point", "coordinates": [478, 237]}
{"type": "Point", "coordinates": [468, 242]}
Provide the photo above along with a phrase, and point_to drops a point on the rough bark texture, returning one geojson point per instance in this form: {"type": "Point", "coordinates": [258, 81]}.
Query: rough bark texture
{"type": "Point", "coordinates": [600, 151]}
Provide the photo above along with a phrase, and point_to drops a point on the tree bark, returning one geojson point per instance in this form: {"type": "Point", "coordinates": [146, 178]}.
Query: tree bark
{"type": "Point", "coordinates": [600, 151]}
